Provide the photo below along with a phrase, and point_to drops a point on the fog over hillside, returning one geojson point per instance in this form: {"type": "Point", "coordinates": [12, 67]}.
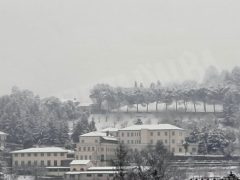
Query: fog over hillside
{"type": "Point", "coordinates": [63, 48]}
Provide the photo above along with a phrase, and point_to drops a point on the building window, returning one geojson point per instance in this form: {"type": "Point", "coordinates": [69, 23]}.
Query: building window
{"type": "Point", "coordinates": [55, 154]}
{"type": "Point", "coordinates": [122, 134]}
{"type": "Point", "coordinates": [89, 149]}
{"type": "Point", "coordinates": [62, 154]}
{"type": "Point", "coordinates": [42, 154]}
{"type": "Point", "coordinates": [29, 163]}
{"type": "Point", "coordinates": [96, 141]}
{"type": "Point", "coordinates": [128, 134]}
{"type": "Point", "coordinates": [151, 141]}
{"type": "Point", "coordinates": [132, 134]}
{"type": "Point", "coordinates": [22, 155]}
{"type": "Point", "coordinates": [90, 157]}
{"type": "Point", "coordinates": [16, 155]}
{"type": "Point", "coordinates": [93, 149]}
{"type": "Point", "coordinates": [166, 141]}
{"type": "Point", "coordinates": [16, 163]}
{"type": "Point", "coordinates": [151, 133]}
{"type": "Point", "coordinates": [35, 163]}
{"type": "Point", "coordinates": [194, 150]}
{"type": "Point", "coordinates": [55, 162]}
{"type": "Point", "coordinates": [128, 141]}
{"type": "Point", "coordinates": [89, 175]}
{"type": "Point", "coordinates": [86, 157]}
{"type": "Point", "coordinates": [173, 133]}
{"type": "Point", "coordinates": [49, 163]}
{"type": "Point", "coordinates": [48, 154]}
{"type": "Point", "coordinates": [35, 154]}
{"type": "Point", "coordinates": [166, 133]}
{"type": "Point", "coordinates": [81, 157]}
{"type": "Point", "coordinates": [159, 134]}
{"type": "Point", "coordinates": [22, 163]}
{"type": "Point", "coordinates": [180, 149]}
{"type": "Point", "coordinates": [100, 175]}
{"type": "Point", "coordinates": [84, 148]}
{"type": "Point", "coordinates": [42, 163]}
{"type": "Point", "coordinates": [79, 149]}
{"type": "Point", "coordinates": [29, 154]}
{"type": "Point", "coordinates": [82, 140]}
{"type": "Point", "coordinates": [173, 150]}
{"type": "Point", "coordinates": [102, 157]}
{"type": "Point", "coordinates": [102, 149]}
{"type": "Point", "coordinates": [173, 141]}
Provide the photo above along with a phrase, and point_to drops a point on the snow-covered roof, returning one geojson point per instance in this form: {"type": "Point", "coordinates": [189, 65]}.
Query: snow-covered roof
{"type": "Point", "coordinates": [57, 167]}
{"type": "Point", "coordinates": [70, 151]}
{"type": "Point", "coordinates": [152, 127]}
{"type": "Point", "coordinates": [110, 129]}
{"type": "Point", "coordinates": [90, 172]}
{"type": "Point", "coordinates": [111, 138]}
{"type": "Point", "coordinates": [112, 168]}
{"type": "Point", "coordinates": [2, 133]}
{"type": "Point", "coordinates": [80, 162]}
{"type": "Point", "coordinates": [99, 134]}
{"type": "Point", "coordinates": [94, 134]}
{"type": "Point", "coordinates": [85, 104]}
{"type": "Point", "coordinates": [41, 150]}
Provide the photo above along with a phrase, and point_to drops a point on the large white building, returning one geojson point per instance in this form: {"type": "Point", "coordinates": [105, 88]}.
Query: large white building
{"type": "Point", "coordinates": [99, 147]}
{"type": "Point", "coordinates": [138, 137]}
{"type": "Point", "coordinates": [42, 159]}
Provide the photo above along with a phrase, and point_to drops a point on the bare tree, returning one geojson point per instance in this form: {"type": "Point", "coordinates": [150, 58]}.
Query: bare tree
{"type": "Point", "coordinates": [155, 163]}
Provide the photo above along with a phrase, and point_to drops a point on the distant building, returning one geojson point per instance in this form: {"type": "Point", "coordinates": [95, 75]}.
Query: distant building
{"type": "Point", "coordinates": [99, 147]}
{"type": "Point", "coordinates": [34, 158]}
{"type": "Point", "coordinates": [138, 137]}
{"type": "Point", "coordinates": [3, 137]}
{"type": "Point", "coordinates": [80, 165]}
{"type": "Point", "coordinates": [93, 173]}
{"type": "Point", "coordinates": [86, 106]}
{"type": "Point", "coordinates": [111, 131]}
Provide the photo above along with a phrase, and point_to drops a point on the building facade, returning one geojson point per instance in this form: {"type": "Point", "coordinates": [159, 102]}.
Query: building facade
{"type": "Point", "coordinates": [3, 137]}
{"type": "Point", "coordinates": [39, 157]}
{"type": "Point", "coordinates": [98, 147]}
{"type": "Point", "coordinates": [138, 137]}
{"type": "Point", "coordinates": [80, 165]}
{"type": "Point", "coordinates": [93, 173]}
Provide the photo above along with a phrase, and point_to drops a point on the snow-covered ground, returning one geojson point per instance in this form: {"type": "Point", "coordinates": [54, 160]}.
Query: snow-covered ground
{"type": "Point", "coordinates": [211, 172]}
{"type": "Point", "coordinates": [10, 177]}
{"type": "Point", "coordinates": [122, 119]}
{"type": "Point", "coordinates": [161, 107]}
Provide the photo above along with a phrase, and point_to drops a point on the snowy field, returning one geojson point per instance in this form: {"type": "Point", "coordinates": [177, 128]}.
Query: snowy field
{"type": "Point", "coordinates": [121, 120]}
{"type": "Point", "coordinates": [211, 172]}
{"type": "Point", "coordinates": [161, 107]}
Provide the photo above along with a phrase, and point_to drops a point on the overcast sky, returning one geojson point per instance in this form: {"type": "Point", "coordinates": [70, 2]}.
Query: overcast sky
{"type": "Point", "coordinates": [62, 48]}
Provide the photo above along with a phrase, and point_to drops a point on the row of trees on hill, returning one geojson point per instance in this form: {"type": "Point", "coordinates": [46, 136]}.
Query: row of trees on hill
{"type": "Point", "coordinates": [216, 89]}
{"type": "Point", "coordinates": [189, 91]}
{"type": "Point", "coordinates": [30, 120]}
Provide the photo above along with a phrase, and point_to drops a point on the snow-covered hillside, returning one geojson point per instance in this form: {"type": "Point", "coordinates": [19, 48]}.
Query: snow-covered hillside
{"type": "Point", "coordinates": [121, 119]}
